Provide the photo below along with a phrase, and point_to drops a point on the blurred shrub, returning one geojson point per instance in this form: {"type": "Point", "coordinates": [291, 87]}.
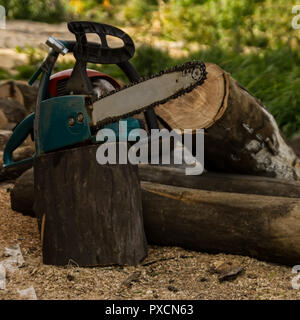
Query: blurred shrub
{"type": "Point", "coordinates": [46, 10]}
{"type": "Point", "coordinates": [137, 12]}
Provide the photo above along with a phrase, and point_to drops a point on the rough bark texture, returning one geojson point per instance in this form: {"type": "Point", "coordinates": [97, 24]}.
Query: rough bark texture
{"type": "Point", "coordinates": [295, 143]}
{"type": "Point", "coordinates": [20, 92]}
{"type": "Point", "coordinates": [174, 176]}
{"type": "Point", "coordinates": [4, 137]}
{"type": "Point", "coordinates": [22, 194]}
{"type": "Point", "coordinates": [15, 171]}
{"type": "Point", "coordinates": [8, 89]}
{"type": "Point", "coordinates": [29, 94]}
{"type": "Point", "coordinates": [13, 110]}
{"type": "Point", "coordinates": [264, 227]}
{"type": "Point", "coordinates": [222, 182]}
{"type": "Point", "coordinates": [241, 135]}
{"type": "Point", "coordinates": [89, 213]}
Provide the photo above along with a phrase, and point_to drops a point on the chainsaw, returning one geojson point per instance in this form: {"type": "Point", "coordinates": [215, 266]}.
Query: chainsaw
{"type": "Point", "coordinates": [69, 109]}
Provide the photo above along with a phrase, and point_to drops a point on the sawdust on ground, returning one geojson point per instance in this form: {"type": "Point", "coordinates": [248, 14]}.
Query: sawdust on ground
{"type": "Point", "coordinates": [166, 273]}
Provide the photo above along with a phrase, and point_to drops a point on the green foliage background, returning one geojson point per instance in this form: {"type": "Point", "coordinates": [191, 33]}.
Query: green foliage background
{"type": "Point", "coordinates": [251, 39]}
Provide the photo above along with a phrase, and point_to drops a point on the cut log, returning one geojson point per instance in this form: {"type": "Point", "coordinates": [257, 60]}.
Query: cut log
{"type": "Point", "coordinates": [29, 94]}
{"type": "Point", "coordinates": [241, 135]}
{"type": "Point", "coordinates": [295, 143]}
{"type": "Point", "coordinates": [3, 120]}
{"type": "Point", "coordinates": [21, 196]}
{"type": "Point", "coordinates": [4, 137]}
{"type": "Point", "coordinates": [263, 227]}
{"type": "Point", "coordinates": [227, 220]}
{"type": "Point", "coordinates": [222, 182]}
{"type": "Point", "coordinates": [8, 89]}
{"type": "Point", "coordinates": [13, 110]}
{"type": "Point", "coordinates": [89, 213]}
{"type": "Point", "coordinates": [20, 92]}
{"type": "Point", "coordinates": [210, 181]}
{"type": "Point", "coordinates": [15, 171]}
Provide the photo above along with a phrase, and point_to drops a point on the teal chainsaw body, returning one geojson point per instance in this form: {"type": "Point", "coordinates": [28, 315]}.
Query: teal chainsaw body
{"type": "Point", "coordinates": [63, 121]}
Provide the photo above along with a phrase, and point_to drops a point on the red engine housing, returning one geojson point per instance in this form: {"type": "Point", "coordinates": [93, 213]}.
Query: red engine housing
{"type": "Point", "coordinates": [59, 77]}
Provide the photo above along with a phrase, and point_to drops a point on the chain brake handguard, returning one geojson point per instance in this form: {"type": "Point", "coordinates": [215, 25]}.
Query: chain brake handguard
{"type": "Point", "coordinates": [84, 52]}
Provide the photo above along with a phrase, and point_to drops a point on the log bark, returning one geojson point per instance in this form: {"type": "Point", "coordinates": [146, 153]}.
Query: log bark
{"type": "Point", "coordinates": [13, 110]}
{"type": "Point", "coordinates": [89, 213]}
{"type": "Point", "coordinates": [295, 143]}
{"type": "Point", "coordinates": [4, 137]}
{"type": "Point", "coordinates": [15, 171]}
{"type": "Point", "coordinates": [212, 181]}
{"type": "Point", "coordinates": [8, 89]}
{"type": "Point", "coordinates": [20, 92]}
{"type": "Point", "coordinates": [175, 176]}
{"type": "Point", "coordinates": [21, 196]}
{"type": "Point", "coordinates": [263, 227]}
{"type": "Point", "coordinates": [255, 216]}
{"type": "Point", "coordinates": [241, 134]}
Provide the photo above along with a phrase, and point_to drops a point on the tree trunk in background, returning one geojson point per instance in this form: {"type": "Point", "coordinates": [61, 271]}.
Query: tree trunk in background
{"type": "Point", "coordinates": [241, 135]}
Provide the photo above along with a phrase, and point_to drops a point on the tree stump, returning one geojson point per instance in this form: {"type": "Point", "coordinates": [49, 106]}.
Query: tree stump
{"type": "Point", "coordinates": [89, 214]}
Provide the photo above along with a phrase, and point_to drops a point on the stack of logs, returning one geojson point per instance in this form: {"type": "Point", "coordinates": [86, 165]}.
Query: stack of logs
{"type": "Point", "coordinates": [17, 100]}
{"type": "Point", "coordinates": [248, 202]}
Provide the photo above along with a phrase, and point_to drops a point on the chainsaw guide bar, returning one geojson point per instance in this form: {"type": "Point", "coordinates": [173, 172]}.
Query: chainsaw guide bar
{"type": "Point", "coordinates": [147, 93]}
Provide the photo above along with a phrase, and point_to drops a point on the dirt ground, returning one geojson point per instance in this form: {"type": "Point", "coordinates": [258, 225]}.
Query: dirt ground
{"type": "Point", "coordinates": [166, 273]}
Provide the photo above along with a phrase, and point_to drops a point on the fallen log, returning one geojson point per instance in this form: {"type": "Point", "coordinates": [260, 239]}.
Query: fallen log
{"type": "Point", "coordinates": [241, 134]}
{"type": "Point", "coordinates": [235, 219]}
{"type": "Point", "coordinates": [263, 227]}
{"type": "Point", "coordinates": [175, 176]}
{"type": "Point", "coordinates": [212, 181]}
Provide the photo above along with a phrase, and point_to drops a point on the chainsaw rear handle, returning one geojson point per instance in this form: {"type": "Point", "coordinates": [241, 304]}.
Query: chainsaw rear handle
{"type": "Point", "coordinates": [20, 133]}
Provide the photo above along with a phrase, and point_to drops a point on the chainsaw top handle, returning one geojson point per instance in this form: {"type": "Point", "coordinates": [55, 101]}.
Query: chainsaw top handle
{"type": "Point", "coordinates": [100, 53]}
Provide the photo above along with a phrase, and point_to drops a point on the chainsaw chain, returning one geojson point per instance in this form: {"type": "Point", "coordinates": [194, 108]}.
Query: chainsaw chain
{"type": "Point", "coordinates": [184, 67]}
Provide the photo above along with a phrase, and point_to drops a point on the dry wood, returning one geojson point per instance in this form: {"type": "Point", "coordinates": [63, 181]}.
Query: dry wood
{"type": "Point", "coordinates": [15, 171]}
{"type": "Point", "coordinates": [20, 92]}
{"type": "Point", "coordinates": [21, 195]}
{"type": "Point", "coordinates": [295, 143]}
{"type": "Point", "coordinates": [223, 182]}
{"type": "Point", "coordinates": [264, 227]}
{"type": "Point", "coordinates": [9, 89]}
{"type": "Point", "coordinates": [93, 213]}
{"type": "Point", "coordinates": [4, 137]}
{"type": "Point", "coordinates": [241, 135]}
{"type": "Point", "coordinates": [13, 110]}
